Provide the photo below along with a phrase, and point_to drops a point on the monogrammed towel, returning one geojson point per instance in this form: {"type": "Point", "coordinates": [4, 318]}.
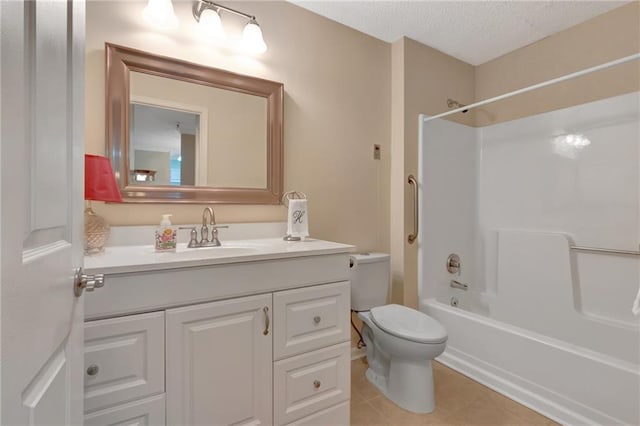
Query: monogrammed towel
{"type": "Point", "coordinates": [298, 219]}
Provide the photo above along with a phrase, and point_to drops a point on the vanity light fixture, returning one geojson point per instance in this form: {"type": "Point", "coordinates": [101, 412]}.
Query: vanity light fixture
{"type": "Point", "coordinates": [160, 14]}
{"type": "Point", "coordinates": [207, 14]}
{"type": "Point", "coordinates": [210, 25]}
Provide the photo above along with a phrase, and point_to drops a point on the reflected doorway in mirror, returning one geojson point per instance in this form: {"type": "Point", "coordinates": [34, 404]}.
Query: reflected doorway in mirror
{"type": "Point", "coordinates": [166, 137]}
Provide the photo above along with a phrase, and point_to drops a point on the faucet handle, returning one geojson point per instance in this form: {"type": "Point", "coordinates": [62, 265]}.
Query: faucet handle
{"type": "Point", "coordinates": [214, 234]}
{"type": "Point", "coordinates": [193, 236]}
{"type": "Point", "coordinates": [454, 266]}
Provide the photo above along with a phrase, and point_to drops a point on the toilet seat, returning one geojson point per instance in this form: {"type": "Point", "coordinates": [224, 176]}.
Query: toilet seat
{"type": "Point", "coordinates": [408, 324]}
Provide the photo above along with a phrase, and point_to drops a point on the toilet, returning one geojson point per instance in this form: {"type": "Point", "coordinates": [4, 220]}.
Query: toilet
{"type": "Point", "coordinates": [400, 341]}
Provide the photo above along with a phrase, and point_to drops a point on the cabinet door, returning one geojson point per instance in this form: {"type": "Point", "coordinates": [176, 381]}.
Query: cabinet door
{"type": "Point", "coordinates": [219, 363]}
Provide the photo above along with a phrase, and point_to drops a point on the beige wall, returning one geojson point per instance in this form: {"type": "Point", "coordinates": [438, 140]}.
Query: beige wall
{"type": "Point", "coordinates": [610, 36]}
{"type": "Point", "coordinates": [188, 153]}
{"type": "Point", "coordinates": [396, 174]}
{"type": "Point", "coordinates": [154, 160]}
{"type": "Point", "coordinates": [423, 79]}
{"type": "Point", "coordinates": [337, 106]}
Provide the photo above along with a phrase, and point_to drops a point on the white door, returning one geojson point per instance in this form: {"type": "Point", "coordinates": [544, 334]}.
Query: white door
{"type": "Point", "coordinates": [41, 181]}
{"type": "Point", "coordinates": [219, 363]}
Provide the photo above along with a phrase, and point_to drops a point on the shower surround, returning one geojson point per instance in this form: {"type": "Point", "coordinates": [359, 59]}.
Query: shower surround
{"type": "Point", "coordinates": [546, 324]}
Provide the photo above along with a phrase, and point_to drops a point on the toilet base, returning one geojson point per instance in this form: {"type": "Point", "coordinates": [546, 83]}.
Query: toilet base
{"type": "Point", "coordinates": [409, 385]}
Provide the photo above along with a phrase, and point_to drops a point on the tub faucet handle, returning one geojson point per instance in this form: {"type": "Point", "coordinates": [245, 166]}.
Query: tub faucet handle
{"type": "Point", "coordinates": [453, 264]}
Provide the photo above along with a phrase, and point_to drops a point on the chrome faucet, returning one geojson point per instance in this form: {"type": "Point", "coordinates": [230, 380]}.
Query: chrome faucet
{"type": "Point", "coordinates": [204, 231]}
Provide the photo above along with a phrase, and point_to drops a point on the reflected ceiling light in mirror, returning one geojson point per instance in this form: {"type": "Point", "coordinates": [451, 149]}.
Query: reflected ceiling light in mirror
{"type": "Point", "coordinates": [160, 14]}
{"type": "Point", "coordinates": [207, 14]}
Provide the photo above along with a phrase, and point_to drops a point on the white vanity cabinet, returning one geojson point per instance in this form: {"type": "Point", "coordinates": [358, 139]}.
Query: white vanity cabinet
{"type": "Point", "coordinates": [219, 363]}
{"type": "Point", "coordinates": [249, 341]}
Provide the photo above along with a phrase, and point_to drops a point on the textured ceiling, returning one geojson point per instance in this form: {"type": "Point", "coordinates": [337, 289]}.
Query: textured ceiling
{"type": "Point", "coordinates": [473, 31]}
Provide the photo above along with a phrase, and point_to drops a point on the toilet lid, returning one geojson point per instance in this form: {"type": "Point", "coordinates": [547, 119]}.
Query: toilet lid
{"type": "Point", "coordinates": [408, 324]}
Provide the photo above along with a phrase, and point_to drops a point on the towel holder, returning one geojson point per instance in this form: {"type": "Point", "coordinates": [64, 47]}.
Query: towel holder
{"type": "Point", "coordinates": [292, 195]}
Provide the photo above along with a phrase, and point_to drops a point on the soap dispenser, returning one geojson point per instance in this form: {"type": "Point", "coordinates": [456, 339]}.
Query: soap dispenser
{"type": "Point", "coordinates": [166, 235]}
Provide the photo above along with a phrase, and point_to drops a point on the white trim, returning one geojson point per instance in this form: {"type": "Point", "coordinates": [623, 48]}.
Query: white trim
{"type": "Point", "coordinates": [542, 400]}
{"type": "Point", "coordinates": [201, 131]}
{"type": "Point", "coordinates": [39, 252]}
{"type": "Point", "coordinates": [536, 86]}
{"type": "Point", "coordinates": [356, 353]}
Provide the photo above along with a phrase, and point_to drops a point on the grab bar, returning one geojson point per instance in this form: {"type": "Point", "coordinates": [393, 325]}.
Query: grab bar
{"type": "Point", "coordinates": [412, 237]}
{"type": "Point", "coordinates": [606, 250]}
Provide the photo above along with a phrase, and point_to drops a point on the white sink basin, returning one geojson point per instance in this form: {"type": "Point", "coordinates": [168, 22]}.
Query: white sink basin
{"type": "Point", "coordinates": [226, 249]}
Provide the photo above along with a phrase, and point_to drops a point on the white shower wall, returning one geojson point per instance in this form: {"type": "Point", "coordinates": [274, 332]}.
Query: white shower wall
{"type": "Point", "coordinates": [532, 178]}
{"type": "Point", "coordinates": [447, 203]}
{"type": "Point", "coordinates": [512, 197]}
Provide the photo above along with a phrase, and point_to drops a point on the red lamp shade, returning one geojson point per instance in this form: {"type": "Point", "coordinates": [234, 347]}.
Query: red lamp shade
{"type": "Point", "coordinates": [99, 181]}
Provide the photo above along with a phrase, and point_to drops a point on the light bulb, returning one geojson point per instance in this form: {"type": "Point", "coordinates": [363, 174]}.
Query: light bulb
{"type": "Point", "coordinates": [210, 25]}
{"type": "Point", "coordinates": [160, 14]}
{"type": "Point", "coordinates": [252, 41]}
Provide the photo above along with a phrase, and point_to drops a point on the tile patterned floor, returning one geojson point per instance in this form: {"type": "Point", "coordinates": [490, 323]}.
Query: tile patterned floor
{"type": "Point", "coordinates": [459, 401]}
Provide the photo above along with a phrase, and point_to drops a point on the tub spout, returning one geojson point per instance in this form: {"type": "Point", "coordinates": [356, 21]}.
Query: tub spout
{"type": "Point", "coordinates": [458, 284]}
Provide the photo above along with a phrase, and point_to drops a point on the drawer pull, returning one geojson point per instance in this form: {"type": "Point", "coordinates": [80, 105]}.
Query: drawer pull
{"type": "Point", "coordinates": [317, 320]}
{"type": "Point", "coordinates": [266, 318]}
{"type": "Point", "coordinates": [316, 384]}
{"type": "Point", "coordinates": [93, 370]}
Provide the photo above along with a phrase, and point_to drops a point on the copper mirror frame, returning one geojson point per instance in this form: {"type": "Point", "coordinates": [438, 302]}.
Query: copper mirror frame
{"type": "Point", "coordinates": [120, 61]}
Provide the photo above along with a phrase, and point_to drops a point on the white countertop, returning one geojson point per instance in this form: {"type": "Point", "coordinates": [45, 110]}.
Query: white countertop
{"type": "Point", "coordinates": [132, 258]}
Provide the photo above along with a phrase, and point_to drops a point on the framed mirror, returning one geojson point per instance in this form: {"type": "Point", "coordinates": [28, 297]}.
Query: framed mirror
{"type": "Point", "coordinates": [183, 132]}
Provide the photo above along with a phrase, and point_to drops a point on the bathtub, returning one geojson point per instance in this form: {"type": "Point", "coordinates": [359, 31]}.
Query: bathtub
{"type": "Point", "coordinates": [567, 383]}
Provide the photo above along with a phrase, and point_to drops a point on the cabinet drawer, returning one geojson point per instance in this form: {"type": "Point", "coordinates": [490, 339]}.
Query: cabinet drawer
{"type": "Point", "coordinates": [310, 318]}
{"type": "Point", "coordinates": [305, 384]}
{"type": "Point", "coordinates": [146, 412]}
{"type": "Point", "coordinates": [337, 415]}
{"type": "Point", "coordinates": [124, 359]}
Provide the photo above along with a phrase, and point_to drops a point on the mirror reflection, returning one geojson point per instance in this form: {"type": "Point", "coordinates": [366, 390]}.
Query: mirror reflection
{"type": "Point", "coordinates": [180, 132]}
{"type": "Point", "coordinates": [163, 145]}
{"type": "Point", "coordinates": [185, 134]}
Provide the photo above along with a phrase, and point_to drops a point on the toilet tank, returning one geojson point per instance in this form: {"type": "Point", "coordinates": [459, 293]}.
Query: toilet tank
{"type": "Point", "coordinates": [369, 280]}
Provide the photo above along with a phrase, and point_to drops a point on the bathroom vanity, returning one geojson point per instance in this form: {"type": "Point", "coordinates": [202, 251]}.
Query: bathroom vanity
{"type": "Point", "coordinates": [252, 332]}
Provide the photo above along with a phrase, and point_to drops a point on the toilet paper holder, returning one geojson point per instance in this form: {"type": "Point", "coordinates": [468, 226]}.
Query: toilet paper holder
{"type": "Point", "coordinates": [292, 195]}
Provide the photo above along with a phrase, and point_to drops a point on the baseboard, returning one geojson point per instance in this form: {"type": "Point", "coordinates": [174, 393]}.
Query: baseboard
{"type": "Point", "coordinates": [547, 403]}
{"type": "Point", "coordinates": [356, 353]}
